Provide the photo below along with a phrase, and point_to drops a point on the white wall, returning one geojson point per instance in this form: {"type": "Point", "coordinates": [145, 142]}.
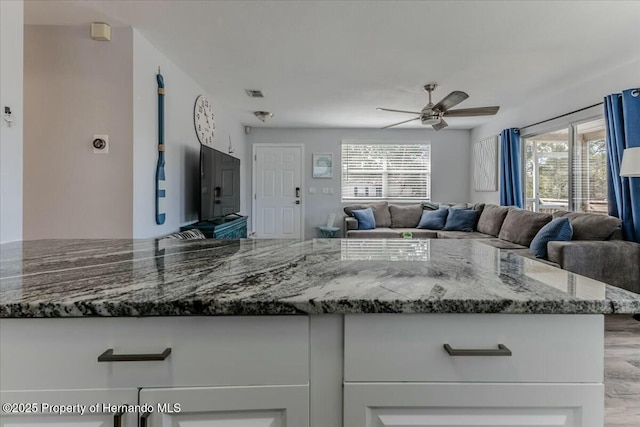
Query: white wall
{"type": "Point", "coordinates": [580, 92]}
{"type": "Point", "coordinates": [449, 163]}
{"type": "Point", "coordinates": [75, 88]}
{"type": "Point", "coordinates": [182, 146]}
{"type": "Point", "coordinates": [11, 144]}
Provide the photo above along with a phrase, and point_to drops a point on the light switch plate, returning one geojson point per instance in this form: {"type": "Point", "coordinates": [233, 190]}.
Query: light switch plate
{"type": "Point", "coordinates": [312, 190]}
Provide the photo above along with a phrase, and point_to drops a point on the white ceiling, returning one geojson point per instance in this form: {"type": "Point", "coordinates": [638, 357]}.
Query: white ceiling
{"type": "Point", "coordinates": [331, 63]}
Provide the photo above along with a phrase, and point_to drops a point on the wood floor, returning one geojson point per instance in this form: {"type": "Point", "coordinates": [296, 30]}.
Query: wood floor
{"type": "Point", "coordinates": [622, 371]}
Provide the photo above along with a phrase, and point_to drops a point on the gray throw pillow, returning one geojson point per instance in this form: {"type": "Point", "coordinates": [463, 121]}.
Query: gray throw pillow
{"type": "Point", "coordinates": [491, 219]}
{"type": "Point", "coordinates": [521, 226]}
{"type": "Point", "coordinates": [405, 216]}
{"type": "Point", "coordinates": [455, 206]}
{"type": "Point", "coordinates": [591, 226]}
{"type": "Point", "coordinates": [479, 207]}
{"type": "Point", "coordinates": [380, 212]}
{"type": "Point", "coordinates": [430, 206]}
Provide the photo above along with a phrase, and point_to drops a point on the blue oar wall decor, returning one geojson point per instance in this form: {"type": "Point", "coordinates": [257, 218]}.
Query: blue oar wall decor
{"type": "Point", "coordinates": [161, 187]}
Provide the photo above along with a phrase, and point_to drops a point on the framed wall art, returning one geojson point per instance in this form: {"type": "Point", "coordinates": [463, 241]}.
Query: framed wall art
{"type": "Point", "coordinates": [322, 165]}
{"type": "Point", "coordinates": [485, 164]}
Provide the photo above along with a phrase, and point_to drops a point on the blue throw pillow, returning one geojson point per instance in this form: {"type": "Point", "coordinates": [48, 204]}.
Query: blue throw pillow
{"type": "Point", "coordinates": [558, 230]}
{"type": "Point", "coordinates": [433, 220]}
{"type": "Point", "coordinates": [366, 220]}
{"type": "Point", "coordinates": [461, 220]}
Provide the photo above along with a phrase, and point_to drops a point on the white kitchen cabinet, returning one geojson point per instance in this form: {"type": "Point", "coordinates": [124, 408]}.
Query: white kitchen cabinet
{"type": "Point", "coordinates": [473, 405]}
{"type": "Point", "coordinates": [543, 348]}
{"type": "Point", "coordinates": [49, 354]}
{"type": "Point", "coordinates": [472, 370]}
{"type": "Point", "coordinates": [376, 370]}
{"type": "Point", "coordinates": [259, 406]}
{"type": "Point", "coordinates": [88, 398]}
{"type": "Point", "coordinates": [253, 370]}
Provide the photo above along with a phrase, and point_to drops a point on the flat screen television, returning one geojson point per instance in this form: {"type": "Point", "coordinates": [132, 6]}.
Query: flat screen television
{"type": "Point", "coordinates": [219, 184]}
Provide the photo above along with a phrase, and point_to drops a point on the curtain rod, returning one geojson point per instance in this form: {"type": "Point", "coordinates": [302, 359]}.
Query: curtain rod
{"type": "Point", "coordinates": [562, 115]}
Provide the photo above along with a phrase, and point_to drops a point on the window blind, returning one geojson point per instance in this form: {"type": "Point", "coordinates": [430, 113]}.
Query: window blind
{"type": "Point", "coordinates": [386, 171]}
{"type": "Point", "coordinates": [589, 184]}
{"type": "Point", "coordinates": [567, 169]}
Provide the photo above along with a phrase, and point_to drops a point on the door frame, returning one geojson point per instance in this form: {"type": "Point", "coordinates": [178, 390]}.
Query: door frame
{"type": "Point", "coordinates": [254, 180]}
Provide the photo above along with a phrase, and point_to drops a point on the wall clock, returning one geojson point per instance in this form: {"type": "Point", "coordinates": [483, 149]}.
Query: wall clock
{"type": "Point", "coordinates": [203, 120]}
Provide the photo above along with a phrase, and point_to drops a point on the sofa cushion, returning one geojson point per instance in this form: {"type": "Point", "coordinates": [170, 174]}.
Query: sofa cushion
{"type": "Point", "coordinates": [380, 212]}
{"type": "Point", "coordinates": [405, 216]}
{"type": "Point", "coordinates": [521, 226]}
{"type": "Point", "coordinates": [378, 233]}
{"type": "Point", "coordinates": [461, 220]}
{"type": "Point", "coordinates": [558, 230]}
{"type": "Point", "coordinates": [366, 220]}
{"type": "Point", "coordinates": [462, 235]}
{"type": "Point", "coordinates": [433, 220]}
{"type": "Point", "coordinates": [591, 226]}
{"type": "Point", "coordinates": [491, 219]}
{"type": "Point", "coordinates": [614, 262]}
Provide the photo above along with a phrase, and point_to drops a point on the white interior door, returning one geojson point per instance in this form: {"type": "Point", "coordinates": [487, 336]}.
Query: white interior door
{"type": "Point", "coordinates": [278, 191]}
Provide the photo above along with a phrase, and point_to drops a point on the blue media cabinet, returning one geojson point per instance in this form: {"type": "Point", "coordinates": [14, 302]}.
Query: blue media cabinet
{"type": "Point", "coordinates": [227, 227]}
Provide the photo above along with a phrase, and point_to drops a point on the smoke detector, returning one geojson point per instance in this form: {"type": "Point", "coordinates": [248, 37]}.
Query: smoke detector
{"type": "Point", "coordinates": [100, 31]}
{"type": "Point", "coordinates": [263, 115]}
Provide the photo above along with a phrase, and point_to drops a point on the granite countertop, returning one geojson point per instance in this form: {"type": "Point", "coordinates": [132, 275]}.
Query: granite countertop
{"type": "Point", "coordinates": [75, 278]}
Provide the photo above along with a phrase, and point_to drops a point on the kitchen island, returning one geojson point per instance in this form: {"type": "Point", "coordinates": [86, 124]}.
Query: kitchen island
{"type": "Point", "coordinates": [325, 332]}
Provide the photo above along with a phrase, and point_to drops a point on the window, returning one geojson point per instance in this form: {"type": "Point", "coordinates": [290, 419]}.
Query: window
{"type": "Point", "coordinates": [386, 171]}
{"type": "Point", "coordinates": [566, 169]}
{"type": "Point", "coordinates": [547, 171]}
{"type": "Point", "coordinates": [590, 168]}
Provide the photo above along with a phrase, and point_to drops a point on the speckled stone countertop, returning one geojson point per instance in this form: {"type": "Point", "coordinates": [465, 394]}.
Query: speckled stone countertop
{"type": "Point", "coordinates": [75, 278]}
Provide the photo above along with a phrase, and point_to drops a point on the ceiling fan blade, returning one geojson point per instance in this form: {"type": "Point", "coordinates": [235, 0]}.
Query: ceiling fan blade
{"type": "Point", "coordinates": [468, 112]}
{"type": "Point", "coordinates": [396, 124]}
{"type": "Point", "coordinates": [398, 111]}
{"type": "Point", "coordinates": [440, 125]}
{"type": "Point", "coordinates": [451, 100]}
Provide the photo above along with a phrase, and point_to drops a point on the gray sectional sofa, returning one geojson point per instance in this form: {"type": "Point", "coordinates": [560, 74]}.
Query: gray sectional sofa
{"type": "Point", "coordinates": [596, 250]}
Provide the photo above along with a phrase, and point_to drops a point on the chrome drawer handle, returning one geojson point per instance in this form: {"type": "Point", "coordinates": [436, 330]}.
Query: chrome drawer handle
{"type": "Point", "coordinates": [144, 419]}
{"type": "Point", "coordinates": [108, 356]}
{"type": "Point", "coordinates": [117, 419]}
{"type": "Point", "coordinates": [502, 350]}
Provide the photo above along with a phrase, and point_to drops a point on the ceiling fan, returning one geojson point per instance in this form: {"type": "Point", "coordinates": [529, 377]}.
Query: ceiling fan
{"type": "Point", "coordinates": [432, 114]}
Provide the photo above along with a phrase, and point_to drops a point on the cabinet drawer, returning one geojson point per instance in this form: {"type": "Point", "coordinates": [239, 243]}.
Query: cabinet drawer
{"type": "Point", "coordinates": [473, 405]}
{"type": "Point", "coordinates": [272, 406]}
{"type": "Point", "coordinates": [544, 348]}
{"type": "Point", "coordinates": [42, 354]}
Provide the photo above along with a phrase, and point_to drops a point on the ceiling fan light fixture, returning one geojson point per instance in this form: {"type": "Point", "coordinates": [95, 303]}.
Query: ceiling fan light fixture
{"type": "Point", "coordinates": [434, 114]}
{"type": "Point", "coordinates": [430, 120]}
{"type": "Point", "coordinates": [263, 115]}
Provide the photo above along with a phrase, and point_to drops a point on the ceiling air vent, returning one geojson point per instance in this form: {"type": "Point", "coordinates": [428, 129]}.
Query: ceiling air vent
{"type": "Point", "coordinates": [254, 93]}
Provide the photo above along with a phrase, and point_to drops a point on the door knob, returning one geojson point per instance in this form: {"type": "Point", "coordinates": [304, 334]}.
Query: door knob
{"type": "Point", "coordinates": [297, 191]}
{"type": "Point", "coordinates": [297, 202]}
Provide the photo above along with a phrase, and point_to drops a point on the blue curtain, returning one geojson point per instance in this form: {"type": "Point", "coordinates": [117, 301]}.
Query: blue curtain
{"type": "Point", "coordinates": [510, 175]}
{"type": "Point", "coordinates": [622, 114]}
